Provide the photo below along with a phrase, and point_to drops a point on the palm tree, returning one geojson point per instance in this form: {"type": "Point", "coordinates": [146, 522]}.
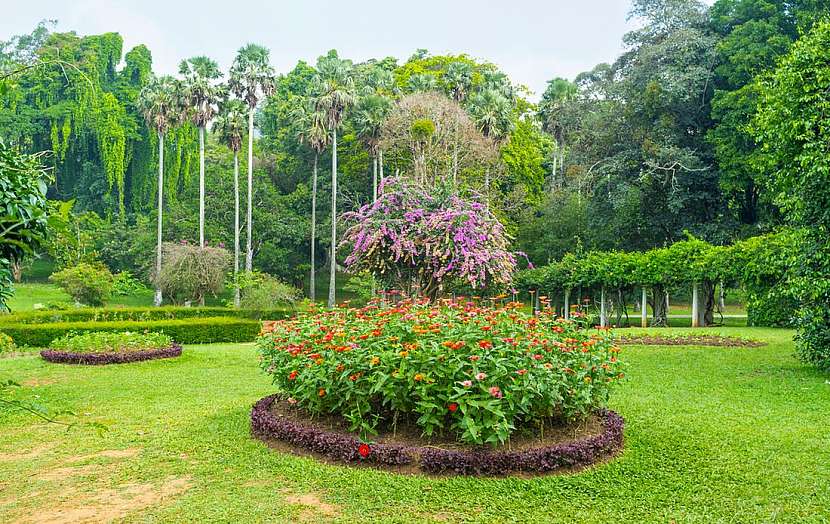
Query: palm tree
{"type": "Point", "coordinates": [370, 113]}
{"type": "Point", "coordinates": [491, 112]}
{"type": "Point", "coordinates": [381, 82]}
{"type": "Point", "coordinates": [335, 85]}
{"type": "Point", "coordinates": [200, 96]}
{"type": "Point", "coordinates": [422, 83]}
{"type": "Point", "coordinates": [230, 127]}
{"type": "Point", "coordinates": [311, 130]}
{"type": "Point", "coordinates": [459, 79]}
{"type": "Point", "coordinates": [251, 80]}
{"type": "Point", "coordinates": [157, 103]}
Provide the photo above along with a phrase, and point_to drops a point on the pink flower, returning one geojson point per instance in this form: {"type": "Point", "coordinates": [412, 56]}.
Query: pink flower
{"type": "Point", "coordinates": [495, 391]}
{"type": "Point", "coordinates": [467, 383]}
{"type": "Point", "coordinates": [481, 376]}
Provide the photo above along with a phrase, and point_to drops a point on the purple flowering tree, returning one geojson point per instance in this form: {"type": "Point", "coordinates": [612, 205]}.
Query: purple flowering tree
{"type": "Point", "coordinates": [420, 240]}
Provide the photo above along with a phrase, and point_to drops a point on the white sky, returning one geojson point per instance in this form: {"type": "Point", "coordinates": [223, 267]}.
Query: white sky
{"type": "Point", "coordinates": [531, 40]}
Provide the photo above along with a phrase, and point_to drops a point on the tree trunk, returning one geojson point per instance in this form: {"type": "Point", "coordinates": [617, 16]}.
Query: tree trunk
{"type": "Point", "coordinates": [380, 163]}
{"type": "Point", "coordinates": [157, 298]}
{"type": "Point", "coordinates": [332, 261]}
{"type": "Point", "coordinates": [236, 299]}
{"type": "Point", "coordinates": [707, 312]}
{"type": "Point", "coordinates": [659, 307]}
{"type": "Point", "coordinates": [374, 179]}
{"type": "Point", "coordinates": [249, 253]}
{"type": "Point", "coordinates": [644, 309]}
{"type": "Point", "coordinates": [202, 186]}
{"type": "Point", "coordinates": [312, 285]}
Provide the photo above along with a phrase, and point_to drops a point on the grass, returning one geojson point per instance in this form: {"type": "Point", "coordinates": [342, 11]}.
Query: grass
{"type": "Point", "coordinates": [712, 434]}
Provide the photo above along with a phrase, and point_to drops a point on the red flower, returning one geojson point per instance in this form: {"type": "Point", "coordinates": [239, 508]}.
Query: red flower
{"type": "Point", "coordinates": [364, 450]}
{"type": "Point", "coordinates": [453, 407]}
{"type": "Point", "coordinates": [292, 375]}
{"type": "Point", "coordinates": [485, 344]}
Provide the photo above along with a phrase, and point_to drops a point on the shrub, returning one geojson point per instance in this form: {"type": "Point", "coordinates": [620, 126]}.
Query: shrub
{"type": "Point", "coordinates": [476, 373]}
{"type": "Point", "coordinates": [262, 291]}
{"type": "Point", "coordinates": [362, 286]}
{"type": "Point", "coordinates": [6, 343]}
{"type": "Point", "coordinates": [143, 314]}
{"type": "Point", "coordinates": [188, 331]}
{"type": "Point", "coordinates": [87, 283]}
{"type": "Point", "coordinates": [188, 273]}
{"type": "Point", "coordinates": [111, 342]}
{"type": "Point", "coordinates": [125, 284]}
{"type": "Point", "coordinates": [421, 240]}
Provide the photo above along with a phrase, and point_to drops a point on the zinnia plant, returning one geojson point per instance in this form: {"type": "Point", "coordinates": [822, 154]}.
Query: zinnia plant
{"type": "Point", "coordinates": [452, 368]}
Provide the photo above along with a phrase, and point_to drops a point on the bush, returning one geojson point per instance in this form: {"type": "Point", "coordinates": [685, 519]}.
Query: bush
{"type": "Point", "coordinates": [189, 273]}
{"type": "Point", "coordinates": [87, 283]}
{"type": "Point", "coordinates": [110, 342]}
{"type": "Point", "coordinates": [143, 314]}
{"type": "Point", "coordinates": [6, 344]}
{"type": "Point", "coordinates": [262, 291]}
{"type": "Point", "coordinates": [188, 331]}
{"type": "Point", "coordinates": [125, 284]}
{"type": "Point", "coordinates": [476, 373]}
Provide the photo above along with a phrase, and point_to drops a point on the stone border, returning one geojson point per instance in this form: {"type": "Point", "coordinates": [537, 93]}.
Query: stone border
{"type": "Point", "coordinates": [340, 447]}
{"type": "Point", "coordinates": [97, 359]}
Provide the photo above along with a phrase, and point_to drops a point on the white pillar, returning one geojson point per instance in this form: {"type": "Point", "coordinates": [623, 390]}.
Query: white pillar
{"type": "Point", "coordinates": [644, 309]}
{"type": "Point", "coordinates": [695, 307]}
{"type": "Point", "coordinates": [603, 322]}
{"type": "Point", "coordinates": [567, 304]}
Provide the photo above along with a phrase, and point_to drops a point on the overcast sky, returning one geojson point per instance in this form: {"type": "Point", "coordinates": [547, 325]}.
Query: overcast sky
{"type": "Point", "coordinates": [531, 40]}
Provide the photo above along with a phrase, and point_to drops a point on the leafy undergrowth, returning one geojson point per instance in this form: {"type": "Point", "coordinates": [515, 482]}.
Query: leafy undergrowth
{"type": "Point", "coordinates": [103, 342]}
{"type": "Point", "coordinates": [712, 434]}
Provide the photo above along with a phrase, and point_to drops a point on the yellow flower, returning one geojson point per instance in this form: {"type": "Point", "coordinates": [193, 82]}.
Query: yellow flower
{"type": "Point", "coordinates": [375, 361]}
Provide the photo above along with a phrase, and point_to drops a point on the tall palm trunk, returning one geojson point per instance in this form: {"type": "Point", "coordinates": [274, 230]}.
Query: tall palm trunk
{"type": "Point", "coordinates": [312, 287]}
{"type": "Point", "coordinates": [374, 178]}
{"type": "Point", "coordinates": [332, 261]}
{"type": "Point", "coordinates": [236, 228]}
{"type": "Point", "coordinates": [249, 254]}
{"type": "Point", "coordinates": [201, 186]}
{"type": "Point", "coordinates": [380, 162]}
{"type": "Point", "coordinates": [157, 298]}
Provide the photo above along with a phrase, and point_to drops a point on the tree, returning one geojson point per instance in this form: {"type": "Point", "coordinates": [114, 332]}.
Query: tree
{"type": "Point", "coordinates": [251, 79]}
{"type": "Point", "coordinates": [200, 96]}
{"type": "Point", "coordinates": [336, 93]}
{"type": "Point", "coordinates": [230, 127]}
{"type": "Point", "coordinates": [311, 130]}
{"type": "Point", "coordinates": [491, 111]}
{"type": "Point", "coordinates": [24, 211]}
{"type": "Point", "coordinates": [157, 103]}
{"type": "Point", "coordinates": [793, 128]}
{"type": "Point", "coordinates": [459, 80]}
{"type": "Point", "coordinates": [370, 113]}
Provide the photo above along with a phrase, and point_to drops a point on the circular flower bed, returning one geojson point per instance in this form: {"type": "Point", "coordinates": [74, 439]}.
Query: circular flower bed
{"type": "Point", "coordinates": [455, 371]}
{"type": "Point", "coordinates": [98, 348]}
{"type": "Point", "coordinates": [275, 425]}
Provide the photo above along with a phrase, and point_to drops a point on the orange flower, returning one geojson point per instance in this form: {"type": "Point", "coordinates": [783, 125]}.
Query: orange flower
{"type": "Point", "coordinates": [485, 344]}
{"type": "Point", "coordinates": [404, 354]}
{"type": "Point", "coordinates": [292, 375]}
{"type": "Point", "coordinates": [321, 393]}
{"type": "Point", "coordinates": [418, 377]}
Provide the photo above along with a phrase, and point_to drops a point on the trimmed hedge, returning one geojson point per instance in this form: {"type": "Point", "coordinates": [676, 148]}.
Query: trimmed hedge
{"type": "Point", "coordinates": [197, 330]}
{"type": "Point", "coordinates": [139, 314]}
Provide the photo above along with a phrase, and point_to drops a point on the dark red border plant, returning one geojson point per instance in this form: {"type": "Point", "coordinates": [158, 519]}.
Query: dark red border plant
{"type": "Point", "coordinates": [95, 359]}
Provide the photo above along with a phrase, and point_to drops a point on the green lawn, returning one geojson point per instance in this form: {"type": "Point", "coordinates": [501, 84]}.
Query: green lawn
{"type": "Point", "coordinates": [712, 435]}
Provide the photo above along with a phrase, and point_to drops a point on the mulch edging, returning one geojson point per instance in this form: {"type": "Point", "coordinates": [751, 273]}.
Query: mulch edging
{"type": "Point", "coordinates": [689, 340]}
{"type": "Point", "coordinates": [339, 447]}
{"type": "Point", "coordinates": [98, 359]}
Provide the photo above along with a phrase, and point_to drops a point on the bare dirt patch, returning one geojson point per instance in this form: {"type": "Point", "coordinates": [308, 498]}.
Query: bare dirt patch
{"type": "Point", "coordinates": [107, 505]}
{"type": "Point", "coordinates": [107, 453]}
{"type": "Point", "coordinates": [18, 456]}
{"type": "Point", "coordinates": [314, 508]}
{"type": "Point", "coordinates": [38, 382]}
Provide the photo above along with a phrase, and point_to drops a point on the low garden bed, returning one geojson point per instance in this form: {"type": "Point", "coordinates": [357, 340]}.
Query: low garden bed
{"type": "Point", "coordinates": [563, 449]}
{"type": "Point", "coordinates": [110, 348]}
{"type": "Point", "coordinates": [441, 388]}
{"type": "Point", "coordinates": [654, 339]}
